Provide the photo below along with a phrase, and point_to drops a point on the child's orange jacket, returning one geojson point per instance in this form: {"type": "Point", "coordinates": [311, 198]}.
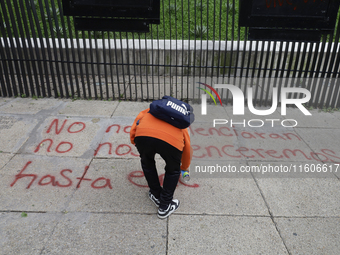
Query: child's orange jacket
{"type": "Point", "coordinates": [149, 125]}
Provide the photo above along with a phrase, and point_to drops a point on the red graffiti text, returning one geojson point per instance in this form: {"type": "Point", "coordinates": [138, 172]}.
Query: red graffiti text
{"type": "Point", "coordinates": [63, 181]}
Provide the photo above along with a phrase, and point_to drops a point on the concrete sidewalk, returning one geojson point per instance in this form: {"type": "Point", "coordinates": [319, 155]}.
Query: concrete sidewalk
{"type": "Point", "coordinates": [71, 183]}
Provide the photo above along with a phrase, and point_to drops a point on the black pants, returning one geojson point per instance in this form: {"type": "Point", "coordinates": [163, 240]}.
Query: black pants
{"type": "Point", "coordinates": [147, 148]}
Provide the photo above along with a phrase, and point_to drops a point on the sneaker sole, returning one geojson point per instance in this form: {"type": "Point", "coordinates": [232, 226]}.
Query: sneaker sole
{"type": "Point", "coordinates": [166, 216]}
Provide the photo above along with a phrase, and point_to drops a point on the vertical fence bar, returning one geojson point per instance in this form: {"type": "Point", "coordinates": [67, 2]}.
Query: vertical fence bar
{"type": "Point", "coordinates": [35, 22]}
{"type": "Point", "coordinates": [69, 71]}
{"type": "Point", "coordinates": [147, 68]}
{"type": "Point", "coordinates": [194, 53]}
{"type": "Point", "coordinates": [182, 72]}
{"type": "Point", "coordinates": [159, 64]}
{"type": "Point", "coordinates": [117, 69]}
{"type": "Point", "coordinates": [105, 66]}
{"type": "Point", "coordinates": [307, 75]}
{"type": "Point", "coordinates": [89, 92]}
{"type": "Point", "coordinates": [207, 41]}
{"type": "Point", "coordinates": [312, 70]}
{"type": "Point", "coordinates": [4, 50]}
{"type": "Point", "coordinates": [3, 92]}
{"type": "Point", "coordinates": [60, 92]}
{"type": "Point", "coordinates": [290, 64]}
{"type": "Point", "coordinates": [331, 74]}
{"type": "Point", "coordinates": [303, 60]}
{"type": "Point", "coordinates": [277, 68]}
{"type": "Point", "coordinates": [295, 70]}
{"type": "Point", "coordinates": [189, 53]}
{"type": "Point", "coordinates": [271, 69]}
{"type": "Point", "coordinates": [225, 51]}
{"type": "Point", "coordinates": [21, 50]}
{"type": "Point", "coordinates": [243, 57]}
{"type": "Point", "coordinates": [123, 67]}
{"type": "Point", "coordinates": [16, 54]}
{"type": "Point", "coordinates": [45, 39]}
{"type": "Point", "coordinates": [92, 66]}
{"type": "Point", "coordinates": [38, 54]}
{"type": "Point", "coordinates": [29, 58]}
{"type": "Point", "coordinates": [283, 67]}
{"type": "Point", "coordinates": [218, 66]}
{"type": "Point", "coordinates": [140, 69]}
{"type": "Point", "coordinates": [316, 84]}
{"type": "Point", "coordinates": [134, 65]}
{"type": "Point", "coordinates": [213, 42]}
{"type": "Point", "coordinates": [3, 64]}
{"type": "Point", "coordinates": [297, 59]}
{"type": "Point", "coordinates": [111, 66]}
{"type": "Point", "coordinates": [170, 55]}
{"type": "Point", "coordinates": [232, 39]}
{"type": "Point", "coordinates": [56, 30]}
{"type": "Point", "coordinates": [326, 83]}
{"type": "Point", "coordinates": [98, 65]}
{"type": "Point", "coordinates": [152, 64]}
{"type": "Point", "coordinates": [338, 86]}
{"type": "Point", "coordinates": [201, 29]}
{"type": "Point", "coordinates": [237, 52]}
{"type": "Point", "coordinates": [259, 72]}
{"type": "Point", "coordinates": [79, 63]}
{"type": "Point", "coordinates": [176, 61]}
{"type": "Point", "coordinates": [164, 48]}
{"type": "Point", "coordinates": [128, 63]}
{"type": "Point", "coordinates": [73, 50]}
{"type": "Point", "coordinates": [336, 75]}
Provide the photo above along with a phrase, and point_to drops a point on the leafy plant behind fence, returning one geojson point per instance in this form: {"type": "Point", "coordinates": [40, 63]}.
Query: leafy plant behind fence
{"type": "Point", "coordinates": [193, 19]}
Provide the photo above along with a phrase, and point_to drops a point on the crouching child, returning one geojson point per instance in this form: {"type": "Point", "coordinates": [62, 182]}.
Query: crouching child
{"type": "Point", "coordinates": [153, 136]}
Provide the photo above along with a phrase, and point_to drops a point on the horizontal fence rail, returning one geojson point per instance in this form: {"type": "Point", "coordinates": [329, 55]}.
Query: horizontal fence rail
{"type": "Point", "coordinates": [197, 41]}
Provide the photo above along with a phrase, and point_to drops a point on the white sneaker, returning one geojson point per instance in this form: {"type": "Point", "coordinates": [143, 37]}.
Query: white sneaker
{"type": "Point", "coordinates": [173, 206]}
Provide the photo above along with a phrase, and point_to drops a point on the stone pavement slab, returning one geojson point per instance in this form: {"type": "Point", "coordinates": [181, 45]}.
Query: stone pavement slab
{"type": "Point", "coordinates": [301, 197]}
{"type": "Point", "coordinates": [71, 137]}
{"type": "Point", "coordinates": [335, 114]}
{"type": "Point", "coordinates": [115, 140]}
{"type": "Point", "coordinates": [320, 142]}
{"type": "Point", "coordinates": [28, 105]}
{"type": "Point", "coordinates": [39, 183]}
{"type": "Point", "coordinates": [198, 234]}
{"type": "Point", "coordinates": [221, 196]}
{"type": "Point", "coordinates": [310, 235]}
{"type": "Point", "coordinates": [233, 143]}
{"type": "Point", "coordinates": [96, 233]}
{"type": "Point", "coordinates": [248, 115]}
{"type": "Point", "coordinates": [131, 110]}
{"type": "Point", "coordinates": [270, 144]}
{"type": "Point", "coordinates": [88, 108]}
{"type": "Point", "coordinates": [324, 119]}
{"type": "Point", "coordinates": [113, 188]}
{"type": "Point", "coordinates": [213, 112]}
{"type": "Point", "coordinates": [14, 132]}
{"type": "Point", "coordinates": [5, 158]}
{"type": "Point", "coordinates": [5, 100]}
{"type": "Point", "coordinates": [26, 235]}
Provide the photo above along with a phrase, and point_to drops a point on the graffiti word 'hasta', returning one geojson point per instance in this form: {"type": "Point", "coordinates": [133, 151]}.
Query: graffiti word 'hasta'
{"type": "Point", "coordinates": [48, 179]}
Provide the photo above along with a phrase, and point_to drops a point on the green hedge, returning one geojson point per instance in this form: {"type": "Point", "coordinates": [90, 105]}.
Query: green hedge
{"type": "Point", "coordinates": [191, 19]}
{"type": "Point", "coordinates": [212, 20]}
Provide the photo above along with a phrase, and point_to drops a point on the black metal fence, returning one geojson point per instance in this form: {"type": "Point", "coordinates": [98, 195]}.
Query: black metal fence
{"type": "Point", "coordinates": [197, 41]}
